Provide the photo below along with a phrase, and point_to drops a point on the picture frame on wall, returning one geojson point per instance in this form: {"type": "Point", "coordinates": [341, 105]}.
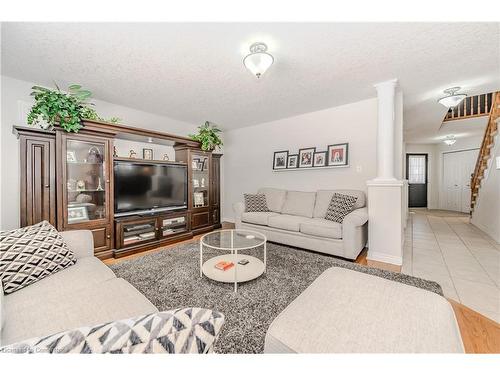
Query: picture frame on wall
{"type": "Point", "coordinates": [280, 160]}
{"type": "Point", "coordinates": [306, 157]}
{"type": "Point", "coordinates": [338, 155]}
{"type": "Point", "coordinates": [147, 153]}
{"type": "Point", "coordinates": [319, 159]}
{"type": "Point", "coordinates": [293, 161]}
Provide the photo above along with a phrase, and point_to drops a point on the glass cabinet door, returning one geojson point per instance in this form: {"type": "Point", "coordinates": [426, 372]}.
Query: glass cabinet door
{"type": "Point", "coordinates": [85, 180]}
{"type": "Point", "coordinates": [200, 164]}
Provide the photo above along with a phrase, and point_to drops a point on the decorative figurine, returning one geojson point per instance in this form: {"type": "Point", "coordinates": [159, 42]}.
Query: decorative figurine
{"type": "Point", "coordinates": [132, 154]}
{"type": "Point", "coordinates": [80, 185]}
{"type": "Point", "coordinates": [115, 154]}
{"type": "Point", "coordinates": [165, 157]}
{"type": "Point", "coordinates": [99, 186]}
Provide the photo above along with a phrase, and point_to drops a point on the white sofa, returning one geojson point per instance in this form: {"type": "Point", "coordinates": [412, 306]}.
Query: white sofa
{"type": "Point", "coordinates": [84, 294]}
{"type": "Point", "coordinates": [297, 218]}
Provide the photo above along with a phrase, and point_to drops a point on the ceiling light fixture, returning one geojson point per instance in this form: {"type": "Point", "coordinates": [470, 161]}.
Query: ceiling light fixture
{"type": "Point", "coordinates": [258, 61]}
{"type": "Point", "coordinates": [450, 140]}
{"type": "Point", "coordinates": [452, 99]}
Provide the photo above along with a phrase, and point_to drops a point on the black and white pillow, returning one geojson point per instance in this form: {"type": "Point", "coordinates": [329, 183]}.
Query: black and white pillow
{"type": "Point", "coordinates": [340, 206]}
{"type": "Point", "coordinates": [29, 254]}
{"type": "Point", "coordinates": [187, 330]}
{"type": "Point", "coordinates": [255, 203]}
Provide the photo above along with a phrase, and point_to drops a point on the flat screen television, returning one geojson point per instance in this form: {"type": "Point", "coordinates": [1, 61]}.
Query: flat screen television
{"type": "Point", "coordinates": [142, 187]}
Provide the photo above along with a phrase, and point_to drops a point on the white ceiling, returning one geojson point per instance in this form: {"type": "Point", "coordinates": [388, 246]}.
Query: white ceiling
{"type": "Point", "coordinates": [194, 72]}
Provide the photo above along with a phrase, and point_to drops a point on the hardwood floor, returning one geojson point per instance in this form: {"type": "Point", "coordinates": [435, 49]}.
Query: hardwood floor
{"type": "Point", "coordinates": [479, 334]}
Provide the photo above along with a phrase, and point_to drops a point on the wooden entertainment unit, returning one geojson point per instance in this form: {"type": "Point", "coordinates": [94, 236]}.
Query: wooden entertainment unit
{"type": "Point", "coordinates": [67, 179]}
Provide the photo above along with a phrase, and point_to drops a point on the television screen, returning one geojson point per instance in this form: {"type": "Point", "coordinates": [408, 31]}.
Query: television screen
{"type": "Point", "coordinates": [141, 186]}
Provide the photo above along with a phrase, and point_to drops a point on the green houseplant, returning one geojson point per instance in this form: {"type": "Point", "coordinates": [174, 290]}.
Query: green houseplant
{"type": "Point", "coordinates": [208, 136]}
{"type": "Point", "coordinates": [66, 109]}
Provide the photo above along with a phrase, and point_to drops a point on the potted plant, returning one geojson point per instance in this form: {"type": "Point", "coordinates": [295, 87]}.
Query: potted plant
{"type": "Point", "coordinates": [208, 137]}
{"type": "Point", "coordinates": [55, 107]}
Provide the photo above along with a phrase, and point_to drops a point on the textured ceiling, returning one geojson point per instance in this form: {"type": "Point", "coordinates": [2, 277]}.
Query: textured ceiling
{"type": "Point", "coordinates": [194, 72]}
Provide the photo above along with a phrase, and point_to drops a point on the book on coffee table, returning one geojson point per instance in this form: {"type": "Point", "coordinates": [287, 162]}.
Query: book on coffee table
{"type": "Point", "coordinates": [224, 266]}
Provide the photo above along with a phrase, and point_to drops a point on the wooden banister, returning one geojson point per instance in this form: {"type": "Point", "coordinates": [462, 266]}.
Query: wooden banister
{"type": "Point", "coordinates": [486, 145]}
{"type": "Point", "coordinates": [472, 106]}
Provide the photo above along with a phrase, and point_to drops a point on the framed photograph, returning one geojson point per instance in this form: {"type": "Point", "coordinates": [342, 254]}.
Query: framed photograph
{"type": "Point", "coordinates": [338, 155]}
{"type": "Point", "coordinates": [71, 157]}
{"type": "Point", "coordinates": [77, 214]}
{"type": "Point", "coordinates": [147, 153]}
{"type": "Point", "coordinates": [293, 161]}
{"type": "Point", "coordinates": [280, 160]}
{"type": "Point", "coordinates": [306, 156]}
{"type": "Point", "coordinates": [194, 163]}
{"type": "Point", "coordinates": [319, 159]}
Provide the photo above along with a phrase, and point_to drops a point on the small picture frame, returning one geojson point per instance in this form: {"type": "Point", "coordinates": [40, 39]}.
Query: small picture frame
{"type": "Point", "coordinates": [319, 159]}
{"type": "Point", "coordinates": [147, 153]}
{"type": "Point", "coordinates": [195, 163]}
{"type": "Point", "coordinates": [77, 214]}
{"type": "Point", "coordinates": [338, 155]}
{"type": "Point", "coordinates": [71, 157]}
{"type": "Point", "coordinates": [306, 157]}
{"type": "Point", "coordinates": [280, 160]}
{"type": "Point", "coordinates": [293, 161]}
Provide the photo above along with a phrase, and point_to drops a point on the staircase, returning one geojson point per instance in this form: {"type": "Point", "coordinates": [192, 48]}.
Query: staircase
{"type": "Point", "coordinates": [472, 106]}
{"type": "Point", "coordinates": [485, 151]}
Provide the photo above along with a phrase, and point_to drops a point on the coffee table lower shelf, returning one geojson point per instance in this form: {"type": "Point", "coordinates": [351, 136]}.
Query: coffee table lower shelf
{"type": "Point", "coordinates": [236, 274]}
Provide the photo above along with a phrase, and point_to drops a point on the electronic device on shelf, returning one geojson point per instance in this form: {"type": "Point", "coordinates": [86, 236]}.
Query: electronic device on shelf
{"type": "Point", "coordinates": [147, 187]}
{"type": "Point", "coordinates": [132, 228]}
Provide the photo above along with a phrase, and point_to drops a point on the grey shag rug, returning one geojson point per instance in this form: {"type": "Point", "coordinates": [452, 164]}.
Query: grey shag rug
{"type": "Point", "coordinates": [171, 279]}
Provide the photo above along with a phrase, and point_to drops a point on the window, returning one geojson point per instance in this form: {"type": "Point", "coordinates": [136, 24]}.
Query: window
{"type": "Point", "coordinates": [416, 169]}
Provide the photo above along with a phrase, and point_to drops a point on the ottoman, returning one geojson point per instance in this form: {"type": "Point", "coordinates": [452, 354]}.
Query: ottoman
{"type": "Point", "coordinates": [345, 311]}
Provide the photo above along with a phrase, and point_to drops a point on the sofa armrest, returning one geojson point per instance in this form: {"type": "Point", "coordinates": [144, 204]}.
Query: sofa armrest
{"type": "Point", "coordinates": [355, 232]}
{"type": "Point", "coordinates": [186, 330]}
{"type": "Point", "coordinates": [356, 218]}
{"type": "Point", "coordinates": [81, 242]}
{"type": "Point", "coordinates": [238, 208]}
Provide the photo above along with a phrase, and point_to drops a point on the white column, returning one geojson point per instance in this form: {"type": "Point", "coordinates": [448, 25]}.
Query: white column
{"type": "Point", "coordinates": [385, 129]}
{"type": "Point", "coordinates": [385, 193]}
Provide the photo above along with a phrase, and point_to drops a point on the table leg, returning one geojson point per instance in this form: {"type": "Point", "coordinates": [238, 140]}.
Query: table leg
{"type": "Point", "coordinates": [265, 257]}
{"type": "Point", "coordinates": [201, 259]}
{"type": "Point", "coordinates": [235, 269]}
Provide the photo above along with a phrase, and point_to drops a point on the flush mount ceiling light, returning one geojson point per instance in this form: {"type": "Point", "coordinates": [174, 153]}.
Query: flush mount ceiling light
{"type": "Point", "coordinates": [452, 99]}
{"type": "Point", "coordinates": [258, 61]}
{"type": "Point", "coordinates": [450, 140]}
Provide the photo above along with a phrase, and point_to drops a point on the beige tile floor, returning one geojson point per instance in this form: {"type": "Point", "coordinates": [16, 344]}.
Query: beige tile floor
{"type": "Point", "coordinates": [444, 247]}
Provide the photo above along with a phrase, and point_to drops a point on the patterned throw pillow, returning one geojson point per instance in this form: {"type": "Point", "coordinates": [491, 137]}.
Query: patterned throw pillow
{"type": "Point", "coordinates": [29, 254]}
{"type": "Point", "coordinates": [340, 206]}
{"type": "Point", "coordinates": [187, 330]}
{"type": "Point", "coordinates": [255, 203]}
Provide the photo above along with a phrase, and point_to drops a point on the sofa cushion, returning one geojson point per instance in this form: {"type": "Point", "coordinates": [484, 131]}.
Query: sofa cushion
{"type": "Point", "coordinates": [100, 303]}
{"type": "Point", "coordinates": [274, 198]}
{"type": "Point", "coordinates": [188, 330]}
{"type": "Point", "coordinates": [86, 272]}
{"type": "Point", "coordinates": [354, 312]}
{"type": "Point", "coordinates": [322, 228]}
{"type": "Point", "coordinates": [324, 197]}
{"type": "Point", "coordinates": [299, 203]}
{"type": "Point", "coordinates": [259, 218]}
{"type": "Point", "coordinates": [29, 254]}
{"type": "Point", "coordinates": [287, 222]}
{"type": "Point", "coordinates": [255, 203]}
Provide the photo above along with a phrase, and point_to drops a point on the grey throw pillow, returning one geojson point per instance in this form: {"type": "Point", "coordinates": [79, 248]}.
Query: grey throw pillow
{"type": "Point", "coordinates": [340, 206]}
{"type": "Point", "coordinates": [255, 203]}
{"type": "Point", "coordinates": [29, 254]}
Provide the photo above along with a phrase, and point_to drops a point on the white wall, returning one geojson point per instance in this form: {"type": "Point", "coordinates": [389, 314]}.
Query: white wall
{"type": "Point", "coordinates": [486, 215]}
{"type": "Point", "coordinates": [15, 101]}
{"type": "Point", "coordinates": [249, 152]}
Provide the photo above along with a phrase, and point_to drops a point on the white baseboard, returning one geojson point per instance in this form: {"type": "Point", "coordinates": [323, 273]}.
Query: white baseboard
{"type": "Point", "coordinates": [386, 258]}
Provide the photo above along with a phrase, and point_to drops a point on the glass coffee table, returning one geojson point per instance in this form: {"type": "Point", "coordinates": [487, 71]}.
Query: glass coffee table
{"type": "Point", "coordinates": [231, 242]}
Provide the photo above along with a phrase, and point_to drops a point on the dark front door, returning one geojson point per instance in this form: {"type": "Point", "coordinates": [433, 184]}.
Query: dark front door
{"type": "Point", "coordinates": [416, 174]}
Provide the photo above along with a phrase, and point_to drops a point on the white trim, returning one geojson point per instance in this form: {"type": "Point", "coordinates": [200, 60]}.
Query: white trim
{"type": "Point", "coordinates": [382, 182]}
{"type": "Point", "coordinates": [385, 258]}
